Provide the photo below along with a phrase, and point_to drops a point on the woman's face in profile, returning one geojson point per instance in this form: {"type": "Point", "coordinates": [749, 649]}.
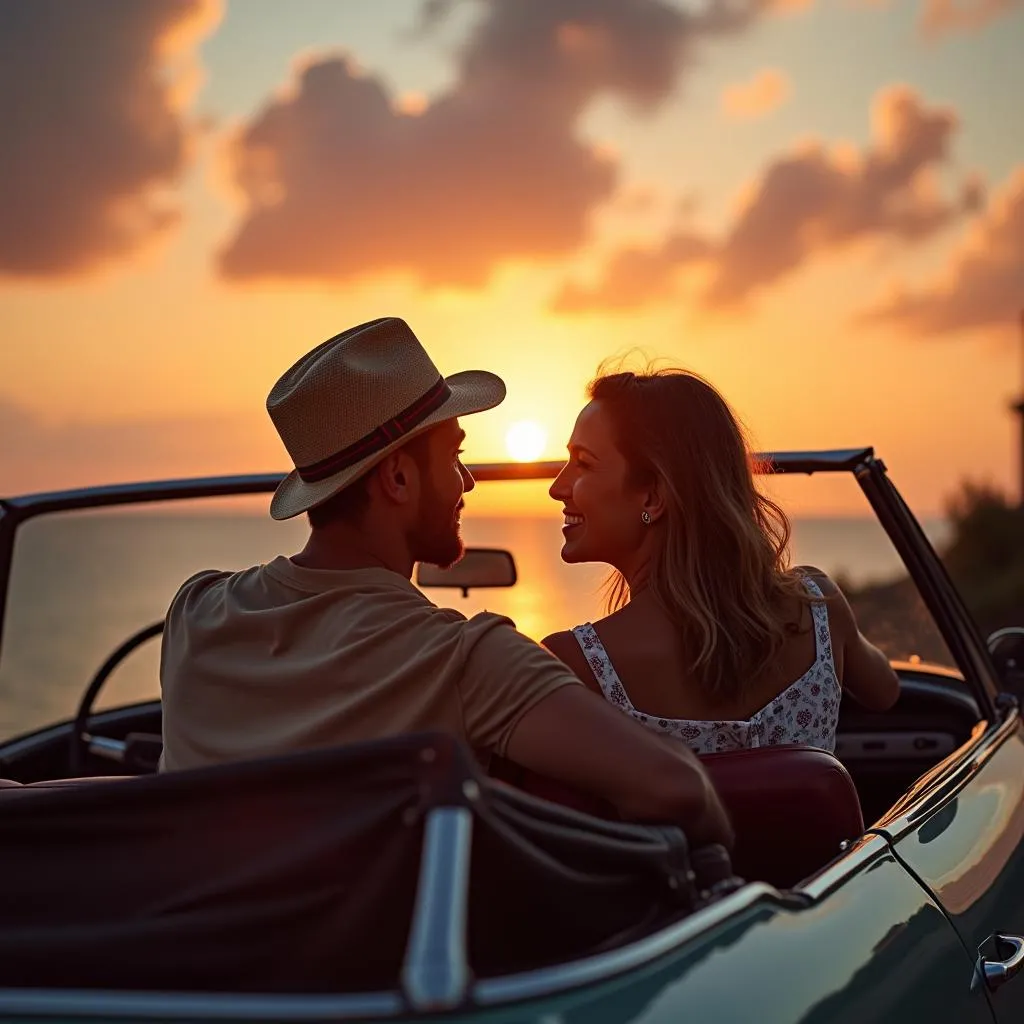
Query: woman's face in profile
{"type": "Point", "coordinates": [602, 513]}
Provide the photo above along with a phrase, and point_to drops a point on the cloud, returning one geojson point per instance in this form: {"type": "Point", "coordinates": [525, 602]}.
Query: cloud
{"type": "Point", "coordinates": [814, 201]}
{"type": "Point", "coordinates": [943, 17]}
{"type": "Point", "coordinates": [983, 284]}
{"type": "Point", "coordinates": [635, 277]}
{"type": "Point", "coordinates": [37, 455]}
{"type": "Point", "coordinates": [765, 92]}
{"type": "Point", "coordinates": [341, 179]}
{"type": "Point", "coordinates": [806, 204]}
{"type": "Point", "coordinates": [90, 127]}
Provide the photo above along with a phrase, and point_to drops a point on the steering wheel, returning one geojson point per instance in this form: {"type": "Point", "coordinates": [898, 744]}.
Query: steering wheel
{"type": "Point", "coordinates": [79, 736]}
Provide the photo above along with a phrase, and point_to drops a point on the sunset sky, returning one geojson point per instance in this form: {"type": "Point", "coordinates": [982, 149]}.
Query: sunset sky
{"type": "Point", "coordinates": [818, 204]}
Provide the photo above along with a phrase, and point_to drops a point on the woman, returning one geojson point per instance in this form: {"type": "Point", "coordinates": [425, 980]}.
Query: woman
{"type": "Point", "coordinates": [711, 637]}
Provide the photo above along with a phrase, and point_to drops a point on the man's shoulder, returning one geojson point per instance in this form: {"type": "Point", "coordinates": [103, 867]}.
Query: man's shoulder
{"type": "Point", "coordinates": [498, 636]}
{"type": "Point", "coordinates": [200, 586]}
{"type": "Point", "coordinates": [485, 622]}
{"type": "Point", "coordinates": [202, 580]}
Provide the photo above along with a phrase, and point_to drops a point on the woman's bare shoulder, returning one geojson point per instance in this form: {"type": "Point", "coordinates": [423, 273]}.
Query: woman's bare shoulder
{"type": "Point", "coordinates": [840, 615]}
{"type": "Point", "coordinates": [563, 645]}
{"type": "Point", "coordinates": [828, 586]}
{"type": "Point", "coordinates": [559, 643]}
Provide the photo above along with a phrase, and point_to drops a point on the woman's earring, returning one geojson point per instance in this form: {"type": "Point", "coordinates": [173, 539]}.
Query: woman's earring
{"type": "Point", "coordinates": [645, 517]}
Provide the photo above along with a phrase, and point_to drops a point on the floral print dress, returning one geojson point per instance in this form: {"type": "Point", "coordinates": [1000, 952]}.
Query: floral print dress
{"type": "Point", "coordinates": [806, 712]}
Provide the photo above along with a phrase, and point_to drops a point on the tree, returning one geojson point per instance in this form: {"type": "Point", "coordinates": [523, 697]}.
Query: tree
{"type": "Point", "coordinates": [985, 555]}
{"type": "Point", "coordinates": [985, 558]}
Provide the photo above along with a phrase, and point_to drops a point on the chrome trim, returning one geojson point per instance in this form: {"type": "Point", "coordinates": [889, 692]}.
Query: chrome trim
{"type": "Point", "coordinates": [171, 1006]}
{"type": "Point", "coordinates": [997, 973]}
{"type": "Point", "coordinates": [926, 746]}
{"type": "Point", "coordinates": [858, 854]}
{"type": "Point", "coordinates": [104, 746]}
{"type": "Point", "coordinates": [167, 1006]}
{"type": "Point", "coordinates": [13, 749]}
{"type": "Point", "coordinates": [550, 980]}
{"type": "Point", "coordinates": [973, 756]}
{"type": "Point", "coordinates": [993, 638]}
{"type": "Point", "coordinates": [936, 776]}
{"type": "Point", "coordinates": [436, 973]}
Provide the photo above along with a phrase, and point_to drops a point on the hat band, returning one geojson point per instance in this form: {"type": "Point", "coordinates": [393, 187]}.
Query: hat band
{"type": "Point", "coordinates": [377, 440]}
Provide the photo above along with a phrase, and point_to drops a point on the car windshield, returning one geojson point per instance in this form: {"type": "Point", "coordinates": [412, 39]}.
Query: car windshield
{"type": "Point", "coordinates": [83, 582]}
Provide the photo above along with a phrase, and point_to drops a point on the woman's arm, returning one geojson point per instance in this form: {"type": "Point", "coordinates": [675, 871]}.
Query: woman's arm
{"type": "Point", "coordinates": [863, 669]}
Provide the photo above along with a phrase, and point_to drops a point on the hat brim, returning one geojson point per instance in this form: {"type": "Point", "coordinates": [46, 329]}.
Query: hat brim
{"type": "Point", "coordinates": [471, 391]}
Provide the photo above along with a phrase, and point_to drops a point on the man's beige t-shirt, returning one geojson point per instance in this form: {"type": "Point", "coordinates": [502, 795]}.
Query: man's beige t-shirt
{"type": "Point", "coordinates": [281, 658]}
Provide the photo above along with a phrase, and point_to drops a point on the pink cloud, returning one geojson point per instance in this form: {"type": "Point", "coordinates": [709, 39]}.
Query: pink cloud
{"type": "Point", "coordinates": [944, 17]}
{"type": "Point", "coordinates": [340, 181]}
{"type": "Point", "coordinates": [762, 94]}
{"type": "Point", "coordinates": [802, 206]}
{"type": "Point", "coordinates": [983, 282]}
{"type": "Point", "coordinates": [91, 130]}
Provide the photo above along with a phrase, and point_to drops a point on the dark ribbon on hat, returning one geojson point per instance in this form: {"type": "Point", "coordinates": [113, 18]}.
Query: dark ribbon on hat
{"type": "Point", "coordinates": [377, 440]}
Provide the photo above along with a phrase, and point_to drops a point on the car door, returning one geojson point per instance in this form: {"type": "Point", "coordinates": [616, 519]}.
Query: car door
{"type": "Point", "coordinates": [963, 837]}
{"type": "Point", "coordinates": [862, 941]}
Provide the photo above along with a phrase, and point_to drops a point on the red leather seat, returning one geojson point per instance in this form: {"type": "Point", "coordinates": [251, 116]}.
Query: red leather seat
{"type": "Point", "coordinates": [790, 806]}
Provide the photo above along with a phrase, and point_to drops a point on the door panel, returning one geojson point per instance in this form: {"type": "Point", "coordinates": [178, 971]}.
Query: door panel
{"type": "Point", "coordinates": [968, 848]}
{"type": "Point", "coordinates": [872, 946]}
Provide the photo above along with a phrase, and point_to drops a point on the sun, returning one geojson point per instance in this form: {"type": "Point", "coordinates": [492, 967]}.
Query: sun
{"type": "Point", "coordinates": [525, 440]}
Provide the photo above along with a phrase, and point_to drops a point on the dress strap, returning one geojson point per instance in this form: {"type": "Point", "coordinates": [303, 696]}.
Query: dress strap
{"type": "Point", "coordinates": [601, 665]}
{"type": "Point", "coordinates": [822, 635]}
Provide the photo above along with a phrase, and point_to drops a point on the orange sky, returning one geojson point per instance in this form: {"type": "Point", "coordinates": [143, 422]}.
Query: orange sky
{"type": "Point", "coordinates": [533, 193]}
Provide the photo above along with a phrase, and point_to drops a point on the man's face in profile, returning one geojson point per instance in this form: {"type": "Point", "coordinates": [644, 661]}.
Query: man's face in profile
{"type": "Point", "coordinates": [436, 538]}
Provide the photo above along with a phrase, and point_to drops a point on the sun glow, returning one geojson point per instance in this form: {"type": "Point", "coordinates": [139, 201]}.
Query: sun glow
{"type": "Point", "coordinates": [525, 440]}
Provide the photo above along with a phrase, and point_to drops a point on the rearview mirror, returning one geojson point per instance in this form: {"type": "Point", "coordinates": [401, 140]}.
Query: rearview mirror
{"type": "Point", "coordinates": [1007, 649]}
{"type": "Point", "coordinates": [478, 567]}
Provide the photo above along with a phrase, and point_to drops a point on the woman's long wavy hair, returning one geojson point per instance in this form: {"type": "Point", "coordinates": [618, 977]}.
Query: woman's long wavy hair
{"type": "Point", "coordinates": [722, 570]}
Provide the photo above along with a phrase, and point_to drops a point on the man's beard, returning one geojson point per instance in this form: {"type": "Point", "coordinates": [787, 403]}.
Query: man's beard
{"type": "Point", "coordinates": [436, 539]}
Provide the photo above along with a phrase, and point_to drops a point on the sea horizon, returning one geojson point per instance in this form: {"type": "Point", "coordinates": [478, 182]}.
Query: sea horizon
{"type": "Point", "coordinates": [82, 583]}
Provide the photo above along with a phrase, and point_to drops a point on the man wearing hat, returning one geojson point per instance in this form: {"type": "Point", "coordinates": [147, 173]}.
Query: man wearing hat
{"type": "Point", "coordinates": [335, 644]}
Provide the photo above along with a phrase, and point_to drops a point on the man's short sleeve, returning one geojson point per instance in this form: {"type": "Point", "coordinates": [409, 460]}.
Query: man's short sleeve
{"type": "Point", "coordinates": [505, 674]}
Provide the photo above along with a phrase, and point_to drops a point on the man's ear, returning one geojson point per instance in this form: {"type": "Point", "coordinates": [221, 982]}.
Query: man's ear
{"type": "Point", "coordinates": [398, 477]}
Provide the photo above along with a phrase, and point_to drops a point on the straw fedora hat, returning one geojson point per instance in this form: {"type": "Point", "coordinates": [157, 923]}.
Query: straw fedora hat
{"type": "Point", "coordinates": [342, 407]}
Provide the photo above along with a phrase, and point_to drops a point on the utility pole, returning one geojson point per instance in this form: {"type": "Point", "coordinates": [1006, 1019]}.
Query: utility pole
{"type": "Point", "coordinates": [1018, 407]}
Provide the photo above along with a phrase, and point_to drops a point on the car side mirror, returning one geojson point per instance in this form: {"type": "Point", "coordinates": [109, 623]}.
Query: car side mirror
{"type": "Point", "coordinates": [1006, 646]}
{"type": "Point", "coordinates": [478, 567]}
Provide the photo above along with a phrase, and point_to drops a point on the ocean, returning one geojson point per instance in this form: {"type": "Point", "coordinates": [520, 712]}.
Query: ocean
{"type": "Point", "coordinates": [83, 583]}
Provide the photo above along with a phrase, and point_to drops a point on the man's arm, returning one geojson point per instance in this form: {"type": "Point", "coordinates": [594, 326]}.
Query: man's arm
{"type": "Point", "coordinates": [578, 739]}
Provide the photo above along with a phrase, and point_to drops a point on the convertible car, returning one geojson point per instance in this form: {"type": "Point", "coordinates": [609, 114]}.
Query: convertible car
{"type": "Point", "coordinates": [398, 881]}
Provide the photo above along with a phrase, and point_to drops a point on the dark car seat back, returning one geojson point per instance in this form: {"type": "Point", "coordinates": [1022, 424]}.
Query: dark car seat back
{"type": "Point", "coordinates": [791, 807]}
{"type": "Point", "coordinates": [300, 874]}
